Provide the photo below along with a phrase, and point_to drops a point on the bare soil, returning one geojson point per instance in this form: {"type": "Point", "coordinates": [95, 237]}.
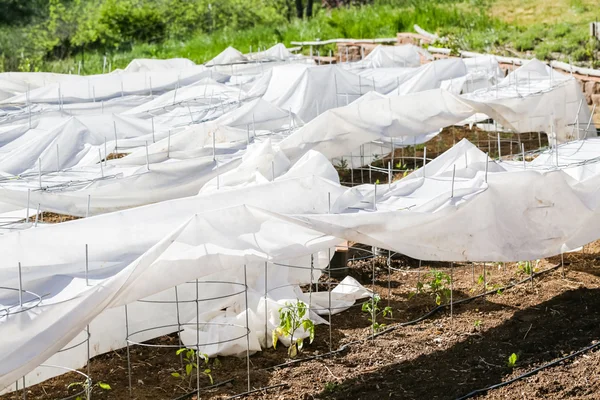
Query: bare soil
{"type": "Point", "coordinates": [445, 356]}
{"type": "Point", "coordinates": [450, 353]}
{"type": "Point", "coordinates": [114, 156]}
{"type": "Point", "coordinates": [411, 157]}
{"type": "Point", "coordinates": [48, 217]}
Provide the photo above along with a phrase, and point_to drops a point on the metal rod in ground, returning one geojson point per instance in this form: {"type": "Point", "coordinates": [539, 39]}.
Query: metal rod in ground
{"type": "Point", "coordinates": [351, 170]}
{"type": "Point", "coordinates": [389, 176]}
{"type": "Point", "coordinates": [87, 328]}
{"type": "Point", "coordinates": [329, 294]}
{"type": "Point", "coordinates": [419, 277]}
{"type": "Point", "coordinates": [147, 157]}
{"type": "Point", "coordinates": [128, 353]}
{"type": "Point", "coordinates": [40, 171]}
{"type": "Point", "coordinates": [20, 287]}
{"type": "Point", "coordinates": [116, 141]}
{"type": "Point", "coordinates": [312, 266]}
{"type": "Point", "coordinates": [24, 389]}
{"type": "Point", "coordinates": [487, 164]}
{"type": "Point", "coordinates": [169, 145]}
{"type": "Point", "coordinates": [100, 158]}
{"type": "Point", "coordinates": [484, 282]}
{"type": "Point", "coordinates": [451, 292]}
{"type": "Point", "coordinates": [198, 336]}
{"type": "Point", "coordinates": [266, 313]}
{"type": "Point", "coordinates": [424, 160]}
{"type": "Point", "coordinates": [453, 176]}
{"type": "Point", "coordinates": [37, 215]}
{"type": "Point", "coordinates": [389, 266]}
{"type": "Point", "coordinates": [153, 137]}
{"type": "Point", "coordinates": [178, 324]}
{"type": "Point", "coordinates": [499, 149]}
{"type": "Point", "coordinates": [28, 197]}
{"type": "Point", "coordinates": [373, 313]}
{"type": "Point", "coordinates": [247, 328]}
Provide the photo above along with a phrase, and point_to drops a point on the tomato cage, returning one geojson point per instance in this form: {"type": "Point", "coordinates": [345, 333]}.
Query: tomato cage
{"type": "Point", "coordinates": [188, 301]}
{"type": "Point", "coordinates": [18, 302]}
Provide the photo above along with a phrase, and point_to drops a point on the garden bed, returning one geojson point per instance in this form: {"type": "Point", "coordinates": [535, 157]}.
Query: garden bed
{"type": "Point", "coordinates": [442, 357]}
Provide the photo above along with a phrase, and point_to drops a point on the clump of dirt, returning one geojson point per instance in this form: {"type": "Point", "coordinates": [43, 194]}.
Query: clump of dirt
{"type": "Point", "coordinates": [114, 156]}
{"type": "Point", "coordinates": [49, 217]}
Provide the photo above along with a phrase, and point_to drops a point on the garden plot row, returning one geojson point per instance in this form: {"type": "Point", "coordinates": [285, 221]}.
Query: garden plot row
{"type": "Point", "coordinates": [213, 201]}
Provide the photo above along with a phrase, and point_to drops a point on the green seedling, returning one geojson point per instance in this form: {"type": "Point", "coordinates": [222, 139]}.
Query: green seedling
{"type": "Point", "coordinates": [342, 165]}
{"type": "Point", "coordinates": [372, 307]}
{"type": "Point", "coordinates": [527, 267]}
{"type": "Point", "coordinates": [477, 324]}
{"type": "Point", "coordinates": [512, 360]}
{"type": "Point", "coordinates": [331, 387]}
{"type": "Point", "coordinates": [291, 318]}
{"type": "Point", "coordinates": [86, 388]}
{"type": "Point", "coordinates": [191, 359]}
{"type": "Point", "coordinates": [436, 284]}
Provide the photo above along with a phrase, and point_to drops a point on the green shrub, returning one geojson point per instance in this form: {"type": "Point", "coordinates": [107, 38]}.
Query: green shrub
{"type": "Point", "coordinates": [126, 21]}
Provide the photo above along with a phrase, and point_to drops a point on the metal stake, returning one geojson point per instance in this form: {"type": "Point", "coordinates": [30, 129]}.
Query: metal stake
{"type": "Point", "coordinates": [329, 295]}
{"type": "Point", "coordinates": [247, 328]}
{"type": "Point", "coordinates": [128, 355]}
{"type": "Point", "coordinates": [20, 287]}
{"type": "Point", "coordinates": [266, 312]}
{"type": "Point", "coordinates": [153, 138]}
{"type": "Point", "coordinates": [451, 293]}
{"type": "Point", "coordinates": [28, 196]}
{"type": "Point", "coordinates": [100, 158]}
{"type": "Point", "coordinates": [116, 144]}
{"type": "Point", "coordinates": [40, 172]}
{"type": "Point", "coordinates": [453, 176]}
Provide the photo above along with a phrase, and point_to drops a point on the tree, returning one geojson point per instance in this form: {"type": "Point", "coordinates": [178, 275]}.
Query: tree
{"type": "Point", "coordinates": [17, 12]}
{"type": "Point", "coordinates": [300, 8]}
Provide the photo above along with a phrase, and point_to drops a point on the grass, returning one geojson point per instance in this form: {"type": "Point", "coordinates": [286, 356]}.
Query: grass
{"type": "Point", "coordinates": [533, 12]}
{"type": "Point", "coordinates": [546, 29]}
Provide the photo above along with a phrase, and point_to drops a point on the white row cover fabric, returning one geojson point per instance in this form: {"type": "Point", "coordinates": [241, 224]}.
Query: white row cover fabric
{"type": "Point", "coordinates": [229, 166]}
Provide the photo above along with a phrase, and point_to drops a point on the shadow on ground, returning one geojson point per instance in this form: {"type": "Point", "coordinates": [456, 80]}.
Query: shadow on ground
{"type": "Point", "coordinates": [537, 334]}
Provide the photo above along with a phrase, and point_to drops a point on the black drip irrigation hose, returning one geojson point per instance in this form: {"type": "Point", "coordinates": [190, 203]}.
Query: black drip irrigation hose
{"type": "Point", "coordinates": [391, 328]}
{"type": "Point", "coordinates": [216, 385]}
{"type": "Point", "coordinates": [526, 374]}
{"type": "Point", "coordinates": [262, 389]}
{"type": "Point", "coordinates": [415, 321]}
